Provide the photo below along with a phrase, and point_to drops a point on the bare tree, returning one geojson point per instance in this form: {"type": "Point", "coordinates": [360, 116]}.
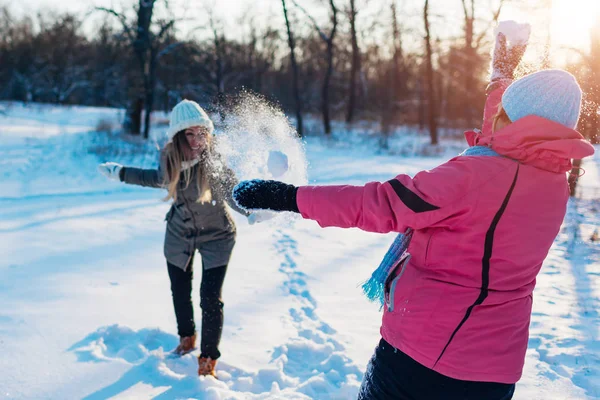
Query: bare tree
{"type": "Point", "coordinates": [260, 52]}
{"type": "Point", "coordinates": [589, 123]}
{"type": "Point", "coordinates": [148, 48]}
{"type": "Point", "coordinates": [593, 83]}
{"type": "Point", "coordinates": [390, 95]}
{"type": "Point", "coordinates": [72, 78]}
{"type": "Point", "coordinates": [107, 66]}
{"type": "Point", "coordinates": [472, 45]}
{"type": "Point", "coordinates": [219, 48]}
{"type": "Point", "coordinates": [59, 66]}
{"type": "Point", "coordinates": [32, 81]}
{"type": "Point", "coordinates": [355, 68]}
{"type": "Point", "coordinates": [294, 65]}
{"type": "Point", "coordinates": [328, 39]}
{"type": "Point", "coordinates": [398, 52]}
{"type": "Point", "coordinates": [429, 78]}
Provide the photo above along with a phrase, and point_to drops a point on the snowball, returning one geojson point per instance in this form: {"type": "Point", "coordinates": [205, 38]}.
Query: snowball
{"type": "Point", "coordinates": [515, 32]}
{"type": "Point", "coordinates": [277, 163]}
{"type": "Point", "coordinates": [252, 129]}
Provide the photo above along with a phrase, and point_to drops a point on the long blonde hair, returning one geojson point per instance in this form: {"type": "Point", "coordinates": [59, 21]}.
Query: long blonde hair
{"type": "Point", "coordinates": [175, 152]}
{"type": "Point", "coordinates": [499, 116]}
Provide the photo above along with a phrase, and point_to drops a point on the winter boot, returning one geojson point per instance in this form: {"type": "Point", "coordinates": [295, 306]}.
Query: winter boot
{"type": "Point", "coordinates": [206, 366]}
{"type": "Point", "coordinates": [187, 344]}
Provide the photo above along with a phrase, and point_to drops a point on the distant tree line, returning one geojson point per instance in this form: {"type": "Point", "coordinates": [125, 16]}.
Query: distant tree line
{"type": "Point", "coordinates": [393, 67]}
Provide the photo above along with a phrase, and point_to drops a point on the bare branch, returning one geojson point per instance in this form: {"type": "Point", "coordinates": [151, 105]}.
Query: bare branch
{"type": "Point", "coordinates": [497, 13]}
{"type": "Point", "coordinates": [493, 22]}
{"type": "Point", "coordinates": [314, 22]}
{"type": "Point", "coordinates": [165, 28]}
{"type": "Point", "coordinates": [333, 20]}
{"type": "Point", "coordinates": [122, 19]}
{"type": "Point", "coordinates": [168, 49]}
{"type": "Point", "coordinates": [464, 4]}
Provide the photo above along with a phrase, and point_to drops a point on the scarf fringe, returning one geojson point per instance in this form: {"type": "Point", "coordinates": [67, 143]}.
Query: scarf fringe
{"type": "Point", "coordinates": [374, 287]}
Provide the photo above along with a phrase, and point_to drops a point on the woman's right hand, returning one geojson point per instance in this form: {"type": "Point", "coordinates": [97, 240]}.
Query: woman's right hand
{"type": "Point", "coordinates": [266, 195]}
{"type": "Point", "coordinates": [111, 170]}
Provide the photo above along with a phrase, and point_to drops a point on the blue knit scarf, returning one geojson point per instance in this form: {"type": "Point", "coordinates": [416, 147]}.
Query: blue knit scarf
{"type": "Point", "coordinates": [374, 288]}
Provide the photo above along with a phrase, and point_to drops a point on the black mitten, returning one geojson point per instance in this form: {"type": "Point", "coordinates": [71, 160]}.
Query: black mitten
{"type": "Point", "coordinates": [266, 195]}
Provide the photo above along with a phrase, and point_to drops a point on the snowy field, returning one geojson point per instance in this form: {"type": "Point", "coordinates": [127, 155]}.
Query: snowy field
{"type": "Point", "coordinates": [85, 306]}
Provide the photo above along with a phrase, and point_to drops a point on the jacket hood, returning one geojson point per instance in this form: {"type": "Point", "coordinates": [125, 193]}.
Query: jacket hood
{"type": "Point", "coordinates": [536, 141]}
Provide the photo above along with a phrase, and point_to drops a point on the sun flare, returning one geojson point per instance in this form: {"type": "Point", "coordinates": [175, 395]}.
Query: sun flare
{"type": "Point", "coordinates": [572, 22]}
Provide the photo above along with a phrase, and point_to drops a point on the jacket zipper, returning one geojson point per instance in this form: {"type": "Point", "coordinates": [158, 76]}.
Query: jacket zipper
{"type": "Point", "coordinates": [403, 261]}
{"type": "Point", "coordinates": [185, 200]}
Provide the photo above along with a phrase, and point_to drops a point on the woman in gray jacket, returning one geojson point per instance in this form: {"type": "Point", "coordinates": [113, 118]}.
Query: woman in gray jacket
{"type": "Point", "coordinates": [199, 185]}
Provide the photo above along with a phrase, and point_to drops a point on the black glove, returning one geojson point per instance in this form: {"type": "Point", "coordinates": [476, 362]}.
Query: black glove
{"type": "Point", "coordinates": [266, 195]}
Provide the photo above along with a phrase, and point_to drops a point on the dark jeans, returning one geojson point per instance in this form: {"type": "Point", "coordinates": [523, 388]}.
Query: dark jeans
{"type": "Point", "coordinates": [392, 374]}
{"type": "Point", "coordinates": [210, 302]}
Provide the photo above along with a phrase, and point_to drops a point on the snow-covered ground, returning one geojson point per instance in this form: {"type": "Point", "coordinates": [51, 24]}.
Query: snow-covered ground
{"type": "Point", "coordinates": [85, 306]}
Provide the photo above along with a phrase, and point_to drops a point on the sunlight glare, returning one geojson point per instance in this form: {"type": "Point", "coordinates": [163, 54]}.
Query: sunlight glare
{"type": "Point", "coordinates": [572, 22]}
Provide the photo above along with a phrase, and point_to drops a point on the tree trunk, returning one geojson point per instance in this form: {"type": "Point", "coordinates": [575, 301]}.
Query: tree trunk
{"type": "Point", "coordinates": [421, 91]}
{"type": "Point", "coordinates": [574, 177]}
{"type": "Point", "coordinates": [219, 76]}
{"type": "Point", "coordinates": [355, 68]}
{"type": "Point", "coordinates": [432, 101]}
{"type": "Point", "coordinates": [398, 83]}
{"type": "Point", "coordinates": [398, 54]}
{"type": "Point", "coordinates": [325, 89]}
{"type": "Point", "coordinates": [329, 71]}
{"type": "Point", "coordinates": [145, 10]}
{"type": "Point", "coordinates": [294, 64]}
{"type": "Point", "coordinates": [141, 46]}
{"type": "Point", "coordinates": [148, 112]}
{"type": "Point", "coordinates": [150, 89]}
{"type": "Point", "coordinates": [133, 124]}
{"type": "Point", "coordinates": [469, 61]}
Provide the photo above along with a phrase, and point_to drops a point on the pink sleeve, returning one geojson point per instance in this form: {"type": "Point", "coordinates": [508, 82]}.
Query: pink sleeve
{"type": "Point", "coordinates": [396, 205]}
{"type": "Point", "coordinates": [494, 98]}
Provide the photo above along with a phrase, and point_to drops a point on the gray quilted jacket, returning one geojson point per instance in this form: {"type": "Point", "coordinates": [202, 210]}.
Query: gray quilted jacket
{"type": "Point", "coordinates": [191, 226]}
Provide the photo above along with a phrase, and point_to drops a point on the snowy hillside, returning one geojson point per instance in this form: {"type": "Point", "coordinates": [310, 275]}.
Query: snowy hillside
{"type": "Point", "coordinates": [85, 305]}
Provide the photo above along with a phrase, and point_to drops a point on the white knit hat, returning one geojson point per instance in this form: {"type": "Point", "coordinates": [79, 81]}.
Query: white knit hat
{"type": "Point", "coordinates": [187, 114]}
{"type": "Point", "coordinates": [552, 94]}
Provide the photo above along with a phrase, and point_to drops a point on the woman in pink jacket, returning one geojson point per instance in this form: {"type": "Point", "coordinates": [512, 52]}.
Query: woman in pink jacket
{"type": "Point", "coordinates": [476, 231]}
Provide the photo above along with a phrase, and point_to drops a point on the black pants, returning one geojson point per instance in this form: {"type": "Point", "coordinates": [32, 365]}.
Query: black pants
{"type": "Point", "coordinates": [392, 374]}
{"type": "Point", "coordinates": [210, 302]}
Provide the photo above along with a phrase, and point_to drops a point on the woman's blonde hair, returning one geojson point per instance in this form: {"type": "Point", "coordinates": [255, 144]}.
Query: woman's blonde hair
{"type": "Point", "coordinates": [499, 116]}
{"type": "Point", "coordinates": [175, 152]}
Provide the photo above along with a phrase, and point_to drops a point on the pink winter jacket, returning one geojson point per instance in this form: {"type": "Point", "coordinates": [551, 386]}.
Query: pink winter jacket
{"type": "Point", "coordinates": [482, 228]}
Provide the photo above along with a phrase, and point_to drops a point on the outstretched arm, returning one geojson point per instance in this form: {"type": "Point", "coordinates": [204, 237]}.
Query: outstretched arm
{"type": "Point", "coordinates": [392, 206]}
{"type": "Point", "coordinates": [396, 205]}
{"type": "Point", "coordinates": [142, 177]}
{"type": "Point", "coordinates": [135, 176]}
